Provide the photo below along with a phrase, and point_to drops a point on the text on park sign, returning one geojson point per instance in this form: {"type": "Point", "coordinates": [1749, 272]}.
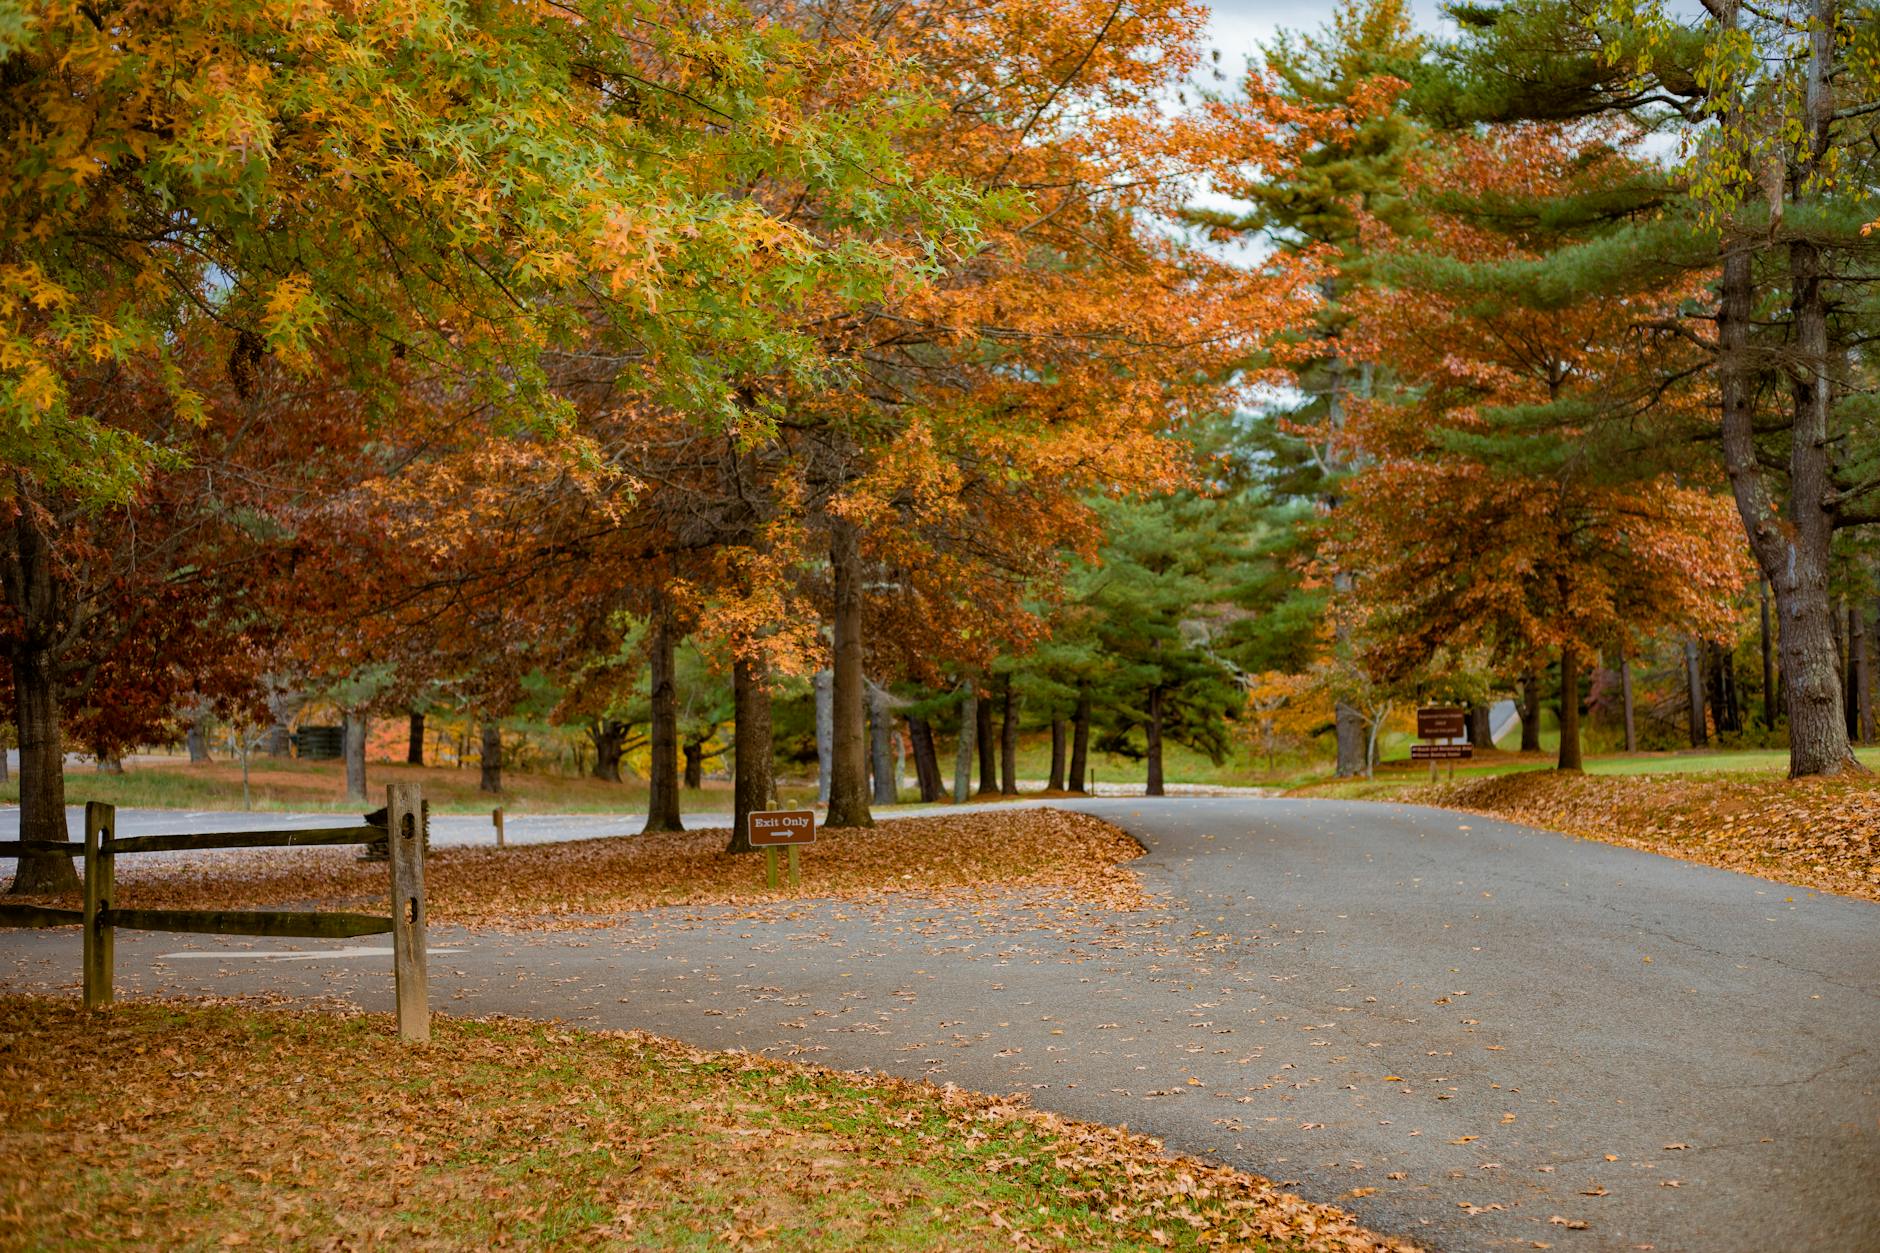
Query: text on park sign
{"type": "Point", "coordinates": [778, 826]}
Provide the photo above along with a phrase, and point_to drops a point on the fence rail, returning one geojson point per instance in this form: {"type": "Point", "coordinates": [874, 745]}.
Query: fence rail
{"type": "Point", "coordinates": [402, 836]}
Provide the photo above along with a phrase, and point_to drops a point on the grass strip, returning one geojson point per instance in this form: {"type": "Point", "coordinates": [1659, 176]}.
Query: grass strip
{"type": "Point", "coordinates": [211, 1125]}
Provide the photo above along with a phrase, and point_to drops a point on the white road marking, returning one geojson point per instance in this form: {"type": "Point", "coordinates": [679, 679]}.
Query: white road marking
{"type": "Point", "coordinates": [301, 955]}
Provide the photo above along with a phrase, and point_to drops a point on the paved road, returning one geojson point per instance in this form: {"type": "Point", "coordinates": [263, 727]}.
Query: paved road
{"type": "Point", "coordinates": [1459, 1028]}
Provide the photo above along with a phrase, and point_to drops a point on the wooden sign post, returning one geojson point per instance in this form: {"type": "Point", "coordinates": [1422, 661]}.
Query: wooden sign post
{"type": "Point", "coordinates": [1448, 725]}
{"type": "Point", "coordinates": [782, 828]}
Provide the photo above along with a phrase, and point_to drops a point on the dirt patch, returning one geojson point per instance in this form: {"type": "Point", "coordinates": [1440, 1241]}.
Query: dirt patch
{"type": "Point", "coordinates": [1819, 833]}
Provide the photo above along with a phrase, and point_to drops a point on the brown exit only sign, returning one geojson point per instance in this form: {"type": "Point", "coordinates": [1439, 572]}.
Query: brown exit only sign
{"type": "Point", "coordinates": [1437, 723]}
{"type": "Point", "coordinates": [783, 826]}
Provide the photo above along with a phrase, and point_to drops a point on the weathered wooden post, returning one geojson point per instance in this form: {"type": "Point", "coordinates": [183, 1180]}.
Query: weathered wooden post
{"type": "Point", "coordinates": [496, 817]}
{"type": "Point", "coordinates": [100, 944]}
{"type": "Point", "coordinates": [405, 843]}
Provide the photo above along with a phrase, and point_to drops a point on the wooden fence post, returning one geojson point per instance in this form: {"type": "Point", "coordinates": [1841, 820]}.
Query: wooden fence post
{"type": "Point", "coordinates": [496, 817]}
{"type": "Point", "coordinates": [100, 944]}
{"type": "Point", "coordinates": [405, 841]}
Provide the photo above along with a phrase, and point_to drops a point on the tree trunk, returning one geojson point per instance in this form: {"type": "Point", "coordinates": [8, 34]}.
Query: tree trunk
{"type": "Point", "coordinates": [1080, 743]}
{"type": "Point", "coordinates": [694, 764]}
{"type": "Point", "coordinates": [610, 738]}
{"type": "Point", "coordinates": [490, 758]}
{"type": "Point", "coordinates": [848, 774]}
{"type": "Point", "coordinates": [662, 797]}
{"type": "Point", "coordinates": [1850, 682]}
{"type": "Point", "coordinates": [1625, 686]}
{"type": "Point", "coordinates": [963, 747]}
{"type": "Point", "coordinates": [1348, 724]}
{"type": "Point", "coordinates": [414, 743]}
{"type": "Point", "coordinates": [1793, 550]}
{"type": "Point", "coordinates": [279, 740]}
{"type": "Point", "coordinates": [824, 684]}
{"type": "Point", "coordinates": [881, 748]}
{"type": "Point", "coordinates": [1481, 728]}
{"type": "Point", "coordinates": [42, 774]}
{"type": "Point", "coordinates": [1863, 668]}
{"type": "Point", "coordinates": [1056, 782]}
{"type": "Point", "coordinates": [110, 763]}
{"type": "Point", "coordinates": [988, 751]}
{"type": "Point", "coordinates": [1717, 687]}
{"type": "Point", "coordinates": [197, 738]}
{"type": "Point", "coordinates": [1694, 693]}
{"type": "Point", "coordinates": [926, 759]}
{"type": "Point", "coordinates": [1008, 741]}
{"type": "Point", "coordinates": [753, 786]}
{"type": "Point", "coordinates": [353, 748]}
{"type": "Point", "coordinates": [1770, 701]}
{"type": "Point", "coordinates": [1569, 708]}
{"type": "Point", "coordinates": [1153, 735]}
{"type": "Point", "coordinates": [1531, 711]}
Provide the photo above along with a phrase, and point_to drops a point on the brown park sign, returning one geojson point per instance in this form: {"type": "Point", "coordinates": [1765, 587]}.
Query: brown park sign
{"type": "Point", "coordinates": [782, 826]}
{"type": "Point", "coordinates": [1441, 752]}
{"type": "Point", "coordinates": [1438, 723]}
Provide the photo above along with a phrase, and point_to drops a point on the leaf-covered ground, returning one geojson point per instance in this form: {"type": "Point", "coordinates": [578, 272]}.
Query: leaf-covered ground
{"type": "Point", "coordinates": [1817, 833]}
{"type": "Point", "coordinates": [1065, 854]}
{"type": "Point", "coordinates": [215, 1125]}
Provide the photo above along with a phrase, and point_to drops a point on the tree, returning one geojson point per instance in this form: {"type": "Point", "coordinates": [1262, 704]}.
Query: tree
{"type": "Point", "coordinates": [1157, 596]}
{"type": "Point", "coordinates": [1776, 107]}
{"type": "Point", "coordinates": [1317, 145]}
{"type": "Point", "coordinates": [1537, 424]}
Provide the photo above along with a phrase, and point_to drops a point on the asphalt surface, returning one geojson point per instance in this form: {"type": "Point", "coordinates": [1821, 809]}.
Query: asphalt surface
{"type": "Point", "coordinates": [1469, 1033]}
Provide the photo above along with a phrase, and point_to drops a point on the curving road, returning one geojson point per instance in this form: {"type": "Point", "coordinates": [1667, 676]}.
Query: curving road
{"type": "Point", "coordinates": [1473, 1034]}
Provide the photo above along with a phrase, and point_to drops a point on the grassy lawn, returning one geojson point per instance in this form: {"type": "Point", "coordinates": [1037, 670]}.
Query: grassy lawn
{"type": "Point", "coordinates": [211, 1126]}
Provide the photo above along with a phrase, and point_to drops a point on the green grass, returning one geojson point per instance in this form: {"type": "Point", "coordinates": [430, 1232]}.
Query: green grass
{"type": "Point", "coordinates": [223, 1126]}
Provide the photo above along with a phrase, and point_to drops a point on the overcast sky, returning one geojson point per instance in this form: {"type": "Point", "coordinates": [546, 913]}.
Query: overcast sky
{"type": "Point", "coordinates": [1240, 26]}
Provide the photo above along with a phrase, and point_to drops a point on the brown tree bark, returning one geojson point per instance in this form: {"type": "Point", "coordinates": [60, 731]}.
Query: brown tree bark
{"type": "Point", "coordinates": [1694, 694]}
{"type": "Point", "coordinates": [753, 786]}
{"type": "Point", "coordinates": [610, 740]}
{"type": "Point", "coordinates": [1569, 708]}
{"type": "Point", "coordinates": [353, 727]}
{"type": "Point", "coordinates": [988, 750]}
{"type": "Point", "coordinates": [662, 796]}
{"type": "Point", "coordinates": [1080, 743]}
{"type": "Point", "coordinates": [926, 759]}
{"type": "Point", "coordinates": [196, 739]}
{"type": "Point", "coordinates": [1792, 545]}
{"type": "Point", "coordinates": [694, 764]}
{"type": "Point", "coordinates": [1008, 740]}
{"type": "Point", "coordinates": [848, 773]}
{"type": "Point", "coordinates": [1863, 671]}
{"type": "Point", "coordinates": [1771, 701]}
{"type": "Point", "coordinates": [490, 758]}
{"type": "Point", "coordinates": [1625, 688]}
{"type": "Point", "coordinates": [414, 740]}
{"type": "Point", "coordinates": [1531, 711]}
{"type": "Point", "coordinates": [1056, 782]}
{"type": "Point", "coordinates": [42, 773]}
{"type": "Point", "coordinates": [1152, 735]}
{"type": "Point", "coordinates": [1481, 732]}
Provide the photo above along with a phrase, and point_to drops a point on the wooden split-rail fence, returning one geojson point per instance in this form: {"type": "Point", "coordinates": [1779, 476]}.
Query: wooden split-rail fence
{"type": "Point", "coordinates": [401, 834]}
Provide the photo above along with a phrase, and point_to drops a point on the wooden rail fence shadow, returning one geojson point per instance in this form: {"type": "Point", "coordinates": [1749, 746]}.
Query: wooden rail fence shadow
{"type": "Point", "coordinates": [402, 833]}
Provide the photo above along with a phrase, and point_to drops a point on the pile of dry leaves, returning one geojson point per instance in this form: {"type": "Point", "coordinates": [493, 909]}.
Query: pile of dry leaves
{"type": "Point", "coordinates": [1820, 833]}
{"type": "Point", "coordinates": [222, 1125]}
{"type": "Point", "coordinates": [553, 885]}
